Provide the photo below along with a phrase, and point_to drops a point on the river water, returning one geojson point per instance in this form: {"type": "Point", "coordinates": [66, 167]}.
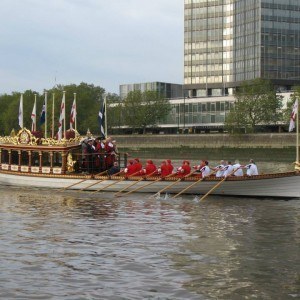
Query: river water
{"type": "Point", "coordinates": [74, 245]}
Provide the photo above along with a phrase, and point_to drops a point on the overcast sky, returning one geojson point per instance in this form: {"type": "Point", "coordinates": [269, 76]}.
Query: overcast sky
{"type": "Point", "coordinates": [103, 42]}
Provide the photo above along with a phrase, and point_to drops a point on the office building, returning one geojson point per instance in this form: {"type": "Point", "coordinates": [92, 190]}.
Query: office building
{"type": "Point", "coordinates": [167, 90]}
{"type": "Point", "coordinates": [229, 41]}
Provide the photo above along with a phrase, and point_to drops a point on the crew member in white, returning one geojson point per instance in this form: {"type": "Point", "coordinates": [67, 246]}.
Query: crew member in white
{"type": "Point", "coordinates": [237, 166]}
{"type": "Point", "coordinates": [251, 168]}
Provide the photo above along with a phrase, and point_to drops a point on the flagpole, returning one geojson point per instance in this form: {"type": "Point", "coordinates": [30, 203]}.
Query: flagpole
{"type": "Point", "coordinates": [64, 97]}
{"type": "Point", "coordinates": [75, 111]}
{"type": "Point", "coordinates": [46, 115]}
{"type": "Point", "coordinates": [105, 114]}
{"type": "Point", "coordinates": [297, 134]}
{"type": "Point", "coordinates": [53, 96]}
{"type": "Point", "coordinates": [34, 112]}
{"type": "Point", "coordinates": [21, 124]}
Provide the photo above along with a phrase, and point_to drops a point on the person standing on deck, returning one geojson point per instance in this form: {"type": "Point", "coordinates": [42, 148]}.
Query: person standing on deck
{"type": "Point", "coordinates": [90, 152]}
{"type": "Point", "coordinates": [109, 153]}
{"type": "Point", "coordinates": [100, 150]}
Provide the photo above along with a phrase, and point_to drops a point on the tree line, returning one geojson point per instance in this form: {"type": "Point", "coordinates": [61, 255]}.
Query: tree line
{"type": "Point", "coordinates": [138, 111]}
{"type": "Point", "coordinates": [256, 105]}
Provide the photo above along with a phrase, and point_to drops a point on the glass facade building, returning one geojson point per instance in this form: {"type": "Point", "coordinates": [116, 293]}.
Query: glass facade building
{"type": "Point", "coordinates": [167, 90]}
{"type": "Point", "coordinates": [230, 41]}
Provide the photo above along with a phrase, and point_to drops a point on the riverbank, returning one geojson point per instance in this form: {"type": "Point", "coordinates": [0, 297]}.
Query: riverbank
{"type": "Point", "coordinates": [262, 147]}
{"type": "Point", "coordinates": [199, 141]}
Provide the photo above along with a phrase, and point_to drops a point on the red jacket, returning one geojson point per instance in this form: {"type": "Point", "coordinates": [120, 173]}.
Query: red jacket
{"type": "Point", "coordinates": [150, 168]}
{"type": "Point", "coordinates": [165, 170]}
{"type": "Point", "coordinates": [184, 170]}
{"type": "Point", "coordinates": [131, 169]}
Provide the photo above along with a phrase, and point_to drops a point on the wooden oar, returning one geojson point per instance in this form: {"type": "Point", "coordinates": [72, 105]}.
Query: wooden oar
{"type": "Point", "coordinates": [143, 178]}
{"type": "Point", "coordinates": [149, 183]}
{"type": "Point", "coordinates": [123, 178]}
{"type": "Point", "coordinates": [65, 188]}
{"type": "Point", "coordinates": [98, 181]}
{"type": "Point", "coordinates": [219, 183]}
{"type": "Point", "coordinates": [201, 179]}
{"type": "Point", "coordinates": [170, 185]}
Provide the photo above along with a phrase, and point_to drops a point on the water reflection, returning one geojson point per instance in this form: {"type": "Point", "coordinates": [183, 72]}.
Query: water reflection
{"type": "Point", "coordinates": [242, 250]}
{"type": "Point", "coordinates": [80, 246]}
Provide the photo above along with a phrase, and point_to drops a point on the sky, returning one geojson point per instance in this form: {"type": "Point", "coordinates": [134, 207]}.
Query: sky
{"type": "Point", "coordinates": [100, 42]}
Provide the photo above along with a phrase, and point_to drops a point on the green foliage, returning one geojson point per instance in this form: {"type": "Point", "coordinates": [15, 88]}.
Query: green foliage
{"type": "Point", "coordinates": [256, 104]}
{"type": "Point", "coordinates": [88, 104]}
{"type": "Point", "coordinates": [145, 109]}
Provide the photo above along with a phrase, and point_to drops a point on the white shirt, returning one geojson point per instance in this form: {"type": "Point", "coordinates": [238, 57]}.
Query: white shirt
{"type": "Point", "coordinates": [205, 171]}
{"type": "Point", "coordinates": [238, 172]}
{"type": "Point", "coordinates": [252, 169]}
{"type": "Point", "coordinates": [228, 170]}
{"type": "Point", "coordinates": [220, 169]}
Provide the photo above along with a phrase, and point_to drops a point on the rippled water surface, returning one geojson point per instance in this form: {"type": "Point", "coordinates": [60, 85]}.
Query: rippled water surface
{"type": "Point", "coordinates": [70, 245]}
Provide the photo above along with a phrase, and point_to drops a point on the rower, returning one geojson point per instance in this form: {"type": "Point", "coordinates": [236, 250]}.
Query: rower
{"type": "Point", "coordinates": [237, 166]}
{"type": "Point", "coordinates": [251, 168]}
{"type": "Point", "coordinates": [184, 170]}
{"type": "Point", "coordinates": [220, 169]}
{"type": "Point", "coordinates": [205, 170]}
{"type": "Point", "coordinates": [228, 169]}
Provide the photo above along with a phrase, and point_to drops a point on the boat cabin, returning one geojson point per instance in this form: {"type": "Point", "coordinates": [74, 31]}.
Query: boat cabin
{"type": "Point", "coordinates": [26, 153]}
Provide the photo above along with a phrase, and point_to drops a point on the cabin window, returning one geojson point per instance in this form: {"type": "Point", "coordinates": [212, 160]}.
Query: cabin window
{"type": "Point", "coordinates": [24, 158]}
{"type": "Point", "coordinates": [4, 157]}
{"type": "Point", "coordinates": [14, 158]}
{"type": "Point", "coordinates": [46, 162]}
{"type": "Point", "coordinates": [35, 159]}
{"type": "Point", "coordinates": [57, 159]}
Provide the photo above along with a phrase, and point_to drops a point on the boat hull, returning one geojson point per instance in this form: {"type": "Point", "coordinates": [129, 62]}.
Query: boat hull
{"type": "Point", "coordinates": [283, 185]}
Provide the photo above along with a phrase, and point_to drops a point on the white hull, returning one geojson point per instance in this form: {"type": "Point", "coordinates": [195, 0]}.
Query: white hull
{"type": "Point", "coordinates": [285, 185]}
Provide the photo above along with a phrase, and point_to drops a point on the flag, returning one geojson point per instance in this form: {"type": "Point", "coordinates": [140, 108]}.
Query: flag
{"type": "Point", "coordinates": [101, 119]}
{"type": "Point", "coordinates": [73, 114]}
{"type": "Point", "coordinates": [43, 114]}
{"type": "Point", "coordinates": [33, 117]}
{"type": "Point", "coordinates": [21, 112]}
{"type": "Point", "coordinates": [61, 117]}
{"type": "Point", "coordinates": [293, 116]}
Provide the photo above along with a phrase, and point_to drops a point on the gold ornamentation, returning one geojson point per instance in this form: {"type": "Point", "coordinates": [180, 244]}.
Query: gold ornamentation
{"type": "Point", "coordinates": [70, 163]}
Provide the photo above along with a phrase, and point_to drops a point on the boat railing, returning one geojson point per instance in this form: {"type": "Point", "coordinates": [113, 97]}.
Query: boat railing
{"type": "Point", "coordinates": [57, 161]}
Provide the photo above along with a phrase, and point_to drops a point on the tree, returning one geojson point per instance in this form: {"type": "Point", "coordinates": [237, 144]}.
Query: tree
{"type": "Point", "coordinates": [88, 102]}
{"type": "Point", "coordinates": [88, 105]}
{"type": "Point", "coordinates": [256, 104]}
{"type": "Point", "coordinates": [145, 109]}
{"type": "Point", "coordinates": [114, 110]}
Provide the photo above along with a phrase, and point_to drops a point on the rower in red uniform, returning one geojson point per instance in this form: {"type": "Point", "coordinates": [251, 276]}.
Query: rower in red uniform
{"type": "Point", "coordinates": [170, 166]}
{"type": "Point", "coordinates": [130, 169]}
{"type": "Point", "coordinates": [138, 165]}
{"type": "Point", "coordinates": [185, 169]}
{"type": "Point", "coordinates": [164, 170]}
{"type": "Point", "coordinates": [149, 168]}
